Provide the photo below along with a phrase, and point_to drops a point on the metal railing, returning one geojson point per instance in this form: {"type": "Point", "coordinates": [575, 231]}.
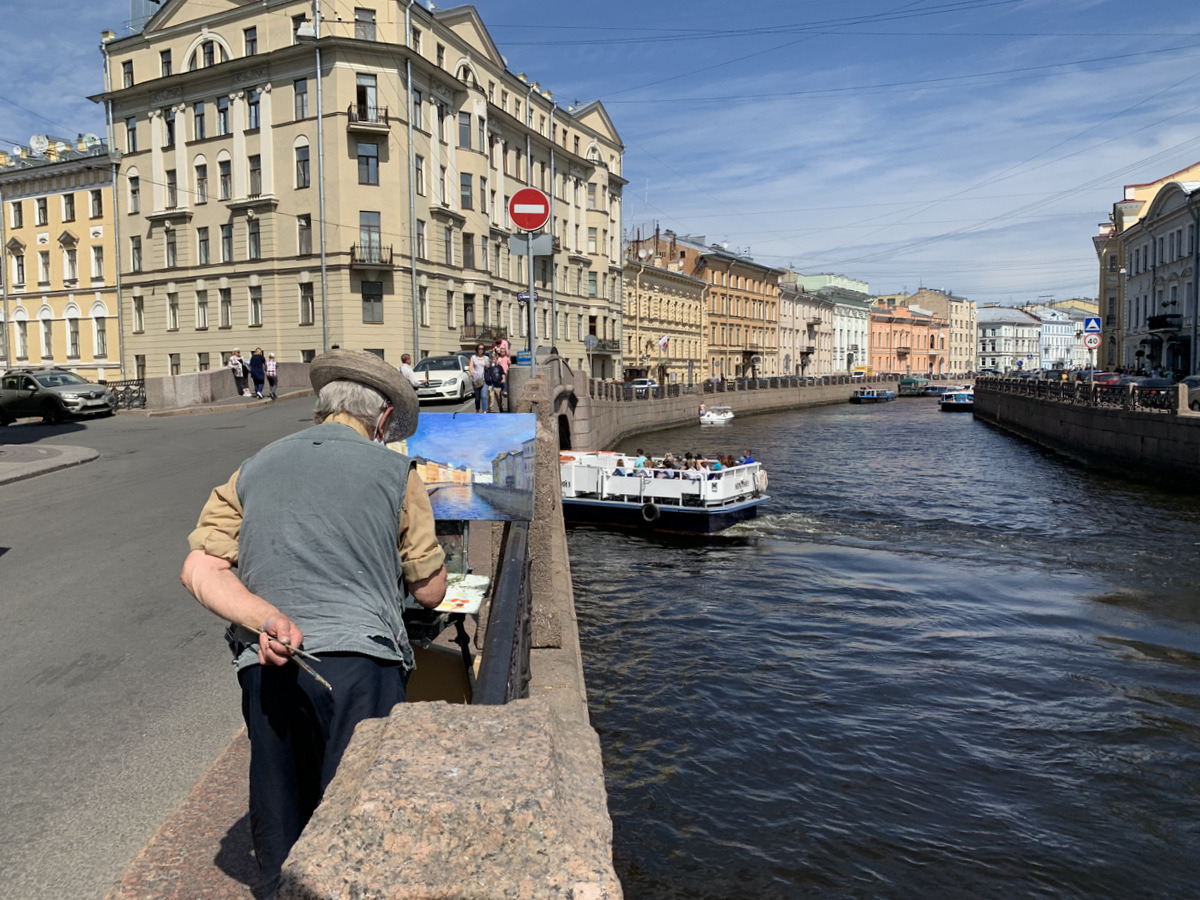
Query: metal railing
{"type": "Point", "coordinates": [367, 114]}
{"type": "Point", "coordinates": [616, 390]}
{"type": "Point", "coordinates": [504, 666]}
{"type": "Point", "coordinates": [482, 333]}
{"type": "Point", "coordinates": [370, 255]}
{"type": "Point", "coordinates": [131, 393]}
{"type": "Point", "coordinates": [1165, 399]}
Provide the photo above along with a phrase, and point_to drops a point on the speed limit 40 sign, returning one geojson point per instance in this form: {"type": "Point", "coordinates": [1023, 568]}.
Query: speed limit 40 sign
{"type": "Point", "coordinates": [1091, 341]}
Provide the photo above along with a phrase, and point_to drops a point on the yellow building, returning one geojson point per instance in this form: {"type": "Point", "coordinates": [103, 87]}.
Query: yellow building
{"type": "Point", "coordinates": [231, 237]}
{"type": "Point", "coordinates": [60, 263]}
{"type": "Point", "coordinates": [665, 321]}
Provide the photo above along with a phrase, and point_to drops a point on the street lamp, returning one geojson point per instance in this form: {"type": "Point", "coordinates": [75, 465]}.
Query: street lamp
{"type": "Point", "coordinates": [307, 33]}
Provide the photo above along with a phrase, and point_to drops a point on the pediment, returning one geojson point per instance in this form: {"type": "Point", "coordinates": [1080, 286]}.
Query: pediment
{"type": "Point", "coordinates": [68, 238]}
{"type": "Point", "coordinates": [464, 21]}
{"type": "Point", "coordinates": [596, 117]}
{"type": "Point", "coordinates": [173, 13]}
{"type": "Point", "coordinates": [15, 245]}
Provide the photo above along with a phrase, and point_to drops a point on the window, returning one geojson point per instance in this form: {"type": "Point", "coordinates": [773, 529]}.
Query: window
{"type": "Point", "coordinates": [464, 131]}
{"type": "Point", "coordinates": [368, 162]}
{"type": "Point", "coordinates": [468, 240]}
{"type": "Point", "coordinates": [172, 189]}
{"type": "Point", "coordinates": [201, 183]}
{"type": "Point", "coordinates": [139, 315]}
{"type": "Point", "coordinates": [591, 196]}
{"type": "Point", "coordinates": [300, 98]}
{"type": "Point", "coordinates": [17, 210]}
{"type": "Point", "coordinates": [419, 175]}
{"type": "Point", "coordinates": [47, 339]}
{"type": "Point", "coordinates": [307, 307]}
{"type": "Point", "coordinates": [441, 122]}
{"type": "Point", "coordinates": [22, 340]}
{"type": "Point", "coordinates": [208, 53]}
{"type": "Point", "coordinates": [172, 312]}
{"type": "Point", "coordinates": [481, 137]}
{"type": "Point", "coordinates": [253, 239]}
{"type": "Point", "coordinates": [441, 55]}
{"type": "Point", "coordinates": [420, 239]}
{"type": "Point", "coordinates": [127, 73]}
{"type": "Point", "coordinates": [199, 129]}
{"type": "Point", "coordinates": [298, 22]}
{"type": "Point", "coordinates": [98, 262]}
{"type": "Point", "coordinates": [364, 24]}
{"type": "Point", "coordinates": [252, 114]}
{"type": "Point", "coordinates": [225, 299]}
{"type": "Point", "coordinates": [225, 172]}
{"type": "Point", "coordinates": [171, 257]}
{"type": "Point", "coordinates": [415, 39]}
{"type": "Point", "coordinates": [222, 115]}
{"type": "Point", "coordinates": [97, 203]}
{"type": "Point", "coordinates": [255, 165]}
{"type": "Point", "coordinates": [201, 309]}
{"type": "Point", "coordinates": [173, 363]}
{"type": "Point", "coordinates": [71, 264]}
{"type": "Point", "coordinates": [423, 304]}
{"type": "Point", "coordinates": [131, 135]}
{"type": "Point", "coordinates": [465, 191]}
{"type": "Point", "coordinates": [68, 207]}
{"type": "Point", "coordinates": [100, 324]}
{"type": "Point", "coordinates": [256, 307]}
{"type": "Point", "coordinates": [164, 58]}
{"type": "Point", "coordinates": [227, 242]}
{"type": "Point", "coordinates": [44, 266]}
{"type": "Point", "coordinates": [250, 39]}
{"type": "Point", "coordinates": [202, 255]}
{"type": "Point", "coordinates": [202, 364]}
{"type": "Point", "coordinates": [135, 253]}
{"type": "Point", "coordinates": [168, 127]}
{"type": "Point", "coordinates": [592, 284]}
{"type": "Point", "coordinates": [303, 235]}
{"type": "Point", "coordinates": [591, 240]}
{"type": "Point", "coordinates": [135, 194]}
{"type": "Point", "coordinates": [370, 238]}
{"type": "Point", "coordinates": [417, 112]}
{"type": "Point", "coordinates": [372, 301]}
{"type": "Point", "coordinates": [443, 193]}
{"type": "Point", "coordinates": [40, 209]}
{"type": "Point", "coordinates": [448, 244]}
{"type": "Point", "coordinates": [483, 204]}
{"type": "Point", "coordinates": [366, 97]}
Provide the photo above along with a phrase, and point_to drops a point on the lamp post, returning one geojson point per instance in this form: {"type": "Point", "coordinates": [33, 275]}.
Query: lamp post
{"type": "Point", "coordinates": [306, 34]}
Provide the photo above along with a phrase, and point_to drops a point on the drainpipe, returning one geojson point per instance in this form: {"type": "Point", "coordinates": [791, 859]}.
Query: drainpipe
{"type": "Point", "coordinates": [412, 192]}
{"type": "Point", "coordinates": [321, 179]}
{"type": "Point", "coordinates": [116, 169]}
{"type": "Point", "coordinates": [1195, 363]}
{"type": "Point", "coordinates": [553, 267]}
{"type": "Point", "coordinates": [4, 286]}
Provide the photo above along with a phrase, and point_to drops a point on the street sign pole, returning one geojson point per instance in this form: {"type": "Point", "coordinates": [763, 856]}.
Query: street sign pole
{"type": "Point", "coordinates": [532, 319]}
{"type": "Point", "coordinates": [529, 210]}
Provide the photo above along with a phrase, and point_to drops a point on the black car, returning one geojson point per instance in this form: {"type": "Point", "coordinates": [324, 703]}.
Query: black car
{"type": "Point", "coordinates": [54, 394]}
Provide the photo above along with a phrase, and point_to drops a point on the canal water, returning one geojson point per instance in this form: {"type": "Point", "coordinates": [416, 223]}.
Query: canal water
{"type": "Point", "coordinates": [941, 664]}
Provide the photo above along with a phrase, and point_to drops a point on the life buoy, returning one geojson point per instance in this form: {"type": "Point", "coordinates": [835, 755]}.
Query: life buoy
{"type": "Point", "coordinates": [760, 481]}
{"type": "Point", "coordinates": [650, 511]}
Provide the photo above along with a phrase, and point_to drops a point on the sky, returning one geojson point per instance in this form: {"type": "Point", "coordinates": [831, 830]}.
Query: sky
{"type": "Point", "coordinates": [972, 146]}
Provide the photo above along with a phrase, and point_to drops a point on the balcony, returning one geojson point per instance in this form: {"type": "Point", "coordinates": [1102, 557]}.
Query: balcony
{"type": "Point", "coordinates": [367, 117]}
{"type": "Point", "coordinates": [902, 351]}
{"type": "Point", "coordinates": [809, 350]}
{"type": "Point", "coordinates": [470, 335]}
{"type": "Point", "coordinates": [371, 256]}
{"type": "Point", "coordinates": [607, 345]}
{"type": "Point", "coordinates": [1165, 323]}
{"type": "Point", "coordinates": [814, 321]}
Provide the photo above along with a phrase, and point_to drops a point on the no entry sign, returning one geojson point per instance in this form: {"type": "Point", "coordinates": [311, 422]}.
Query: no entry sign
{"type": "Point", "coordinates": [529, 209]}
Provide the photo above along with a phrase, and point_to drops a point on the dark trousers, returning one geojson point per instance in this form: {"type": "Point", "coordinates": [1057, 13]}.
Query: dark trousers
{"type": "Point", "coordinates": [271, 382]}
{"type": "Point", "coordinates": [298, 733]}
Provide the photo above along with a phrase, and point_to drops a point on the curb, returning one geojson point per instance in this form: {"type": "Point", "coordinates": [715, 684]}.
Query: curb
{"type": "Point", "coordinates": [221, 406]}
{"type": "Point", "coordinates": [27, 470]}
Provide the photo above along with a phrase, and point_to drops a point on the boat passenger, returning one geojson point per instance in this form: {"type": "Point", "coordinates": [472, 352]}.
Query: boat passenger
{"type": "Point", "coordinates": [620, 469]}
{"type": "Point", "coordinates": [640, 462]}
{"type": "Point", "coordinates": [748, 458]}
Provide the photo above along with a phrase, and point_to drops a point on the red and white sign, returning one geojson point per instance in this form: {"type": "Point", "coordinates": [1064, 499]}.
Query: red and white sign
{"type": "Point", "coordinates": [1091, 341]}
{"type": "Point", "coordinates": [529, 209]}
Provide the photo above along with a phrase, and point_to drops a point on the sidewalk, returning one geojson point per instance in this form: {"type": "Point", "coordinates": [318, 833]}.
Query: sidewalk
{"type": "Point", "coordinates": [225, 404]}
{"type": "Point", "coordinates": [21, 461]}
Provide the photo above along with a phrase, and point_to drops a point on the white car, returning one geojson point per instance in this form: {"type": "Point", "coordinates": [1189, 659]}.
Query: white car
{"type": "Point", "coordinates": [643, 386]}
{"type": "Point", "coordinates": [442, 378]}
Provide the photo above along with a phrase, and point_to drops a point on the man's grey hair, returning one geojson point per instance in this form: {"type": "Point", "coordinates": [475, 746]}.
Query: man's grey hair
{"type": "Point", "coordinates": [352, 398]}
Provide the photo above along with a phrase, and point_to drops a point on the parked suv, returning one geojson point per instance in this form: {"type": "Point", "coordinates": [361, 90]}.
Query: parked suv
{"type": "Point", "coordinates": [54, 394]}
{"type": "Point", "coordinates": [643, 387]}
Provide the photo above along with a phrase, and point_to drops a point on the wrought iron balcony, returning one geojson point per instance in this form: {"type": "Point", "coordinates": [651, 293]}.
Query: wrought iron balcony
{"type": "Point", "coordinates": [367, 117]}
{"type": "Point", "coordinates": [370, 255]}
{"type": "Point", "coordinates": [608, 345]}
{"type": "Point", "coordinates": [1165, 323]}
{"type": "Point", "coordinates": [475, 334]}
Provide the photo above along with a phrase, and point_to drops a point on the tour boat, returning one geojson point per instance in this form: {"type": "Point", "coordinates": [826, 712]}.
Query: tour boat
{"type": "Point", "coordinates": [912, 386]}
{"type": "Point", "coordinates": [716, 415]}
{"type": "Point", "coordinates": [958, 401]}
{"type": "Point", "coordinates": [598, 491]}
{"type": "Point", "coordinates": [872, 395]}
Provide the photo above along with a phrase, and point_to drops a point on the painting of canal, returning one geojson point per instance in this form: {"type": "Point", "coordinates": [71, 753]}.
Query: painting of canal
{"type": "Point", "coordinates": [475, 466]}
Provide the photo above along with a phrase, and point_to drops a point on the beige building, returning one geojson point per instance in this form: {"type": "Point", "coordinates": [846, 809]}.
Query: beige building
{"type": "Point", "coordinates": [423, 136]}
{"type": "Point", "coordinates": [805, 329]}
{"type": "Point", "coordinates": [60, 264]}
{"type": "Point", "coordinates": [665, 321]}
{"type": "Point", "coordinates": [958, 314]}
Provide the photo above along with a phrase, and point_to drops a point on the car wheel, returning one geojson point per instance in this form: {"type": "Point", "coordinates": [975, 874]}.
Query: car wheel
{"type": "Point", "coordinates": [51, 412]}
{"type": "Point", "coordinates": [462, 391]}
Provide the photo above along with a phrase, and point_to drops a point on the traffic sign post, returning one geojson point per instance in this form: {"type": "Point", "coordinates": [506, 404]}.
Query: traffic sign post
{"type": "Point", "coordinates": [529, 210]}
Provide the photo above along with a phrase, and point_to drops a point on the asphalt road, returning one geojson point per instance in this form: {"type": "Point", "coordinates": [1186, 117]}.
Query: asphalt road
{"type": "Point", "coordinates": [118, 689]}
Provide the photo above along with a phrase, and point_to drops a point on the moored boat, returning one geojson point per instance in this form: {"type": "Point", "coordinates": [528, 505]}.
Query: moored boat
{"type": "Point", "coordinates": [596, 490]}
{"type": "Point", "coordinates": [958, 401]}
{"type": "Point", "coordinates": [716, 415]}
{"type": "Point", "coordinates": [912, 386]}
{"type": "Point", "coordinates": [872, 395]}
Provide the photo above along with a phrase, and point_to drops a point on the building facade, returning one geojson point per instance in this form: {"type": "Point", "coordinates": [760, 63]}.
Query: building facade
{"type": "Point", "coordinates": [1009, 340]}
{"type": "Point", "coordinates": [743, 302]}
{"type": "Point", "coordinates": [232, 237]}
{"type": "Point", "coordinates": [906, 340]}
{"type": "Point", "coordinates": [59, 276]}
{"type": "Point", "coordinates": [959, 315]}
{"type": "Point", "coordinates": [666, 320]}
{"type": "Point", "coordinates": [805, 329]}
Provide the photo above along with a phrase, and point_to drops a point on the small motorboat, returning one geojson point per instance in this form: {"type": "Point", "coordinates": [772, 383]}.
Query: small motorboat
{"type": "Point", "coordinates": [716, 415]}
{"type": "Point", "coordinates": [872, 395]}
{"type": "Point", "coordinates": [599, 488]}
{"type": "Point", "coordinates": [958, 401]}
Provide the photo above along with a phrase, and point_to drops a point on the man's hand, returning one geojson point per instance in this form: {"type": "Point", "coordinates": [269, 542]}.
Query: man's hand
{"type": "Point", "coordinates": [279, 635]}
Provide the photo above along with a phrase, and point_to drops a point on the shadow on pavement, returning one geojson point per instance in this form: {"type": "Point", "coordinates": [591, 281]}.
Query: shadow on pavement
{"type": "Point", "coordinates": [31, 432]}
{"type": "Point", "coordinates": [236, 857]}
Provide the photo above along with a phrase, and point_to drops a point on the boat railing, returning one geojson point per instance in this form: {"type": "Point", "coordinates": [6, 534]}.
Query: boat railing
{"type": "Point", "coordinates": [597, 477]}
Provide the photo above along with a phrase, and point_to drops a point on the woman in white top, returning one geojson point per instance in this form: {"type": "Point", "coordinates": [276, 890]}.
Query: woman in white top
{"type": "Point", "coordinates": [479, 364]}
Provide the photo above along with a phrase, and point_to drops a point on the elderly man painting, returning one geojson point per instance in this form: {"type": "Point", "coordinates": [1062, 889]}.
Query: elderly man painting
{"type": "Point", "coordinates": [321, 527]}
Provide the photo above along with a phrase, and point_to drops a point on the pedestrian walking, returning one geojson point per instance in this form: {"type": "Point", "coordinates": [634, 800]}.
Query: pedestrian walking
{"type": "Point", "coordinates": [478, 364]}
{"type": "Point", "coordinates": [240, 370]}
{"type": "Point", "coordinates": [272, 372]}
{"type": "Point", "coordinates": [258, 364]}
{"type": "Point", "coordinates": [493, 377]}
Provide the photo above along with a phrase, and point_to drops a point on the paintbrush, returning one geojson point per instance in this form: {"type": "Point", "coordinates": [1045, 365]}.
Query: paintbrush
{"type": "Point", "coordinates": [298, 661]}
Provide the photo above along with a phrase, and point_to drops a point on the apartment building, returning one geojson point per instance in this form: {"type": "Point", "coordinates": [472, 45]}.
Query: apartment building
{"type": "Point", "coordinates": [232, 237]}
{"type": "Point", "coordinates": [1125, 309]}
{"type": "Point", "coordinates": [907, 340]}
{"type": "Point", "coordinates": [1009, 340]}
{"type": "Point", "coordinates": [805, 329]}
{"type": "Point", "coordinates": [959, 315]}
{"type": "Point", "coordinates": [666, 320]}
{"type": "Point", "coordinates": [59, 272]}
{"type": "Point", "coordinates": [851, 322]}
{"type": "Point", "coordinates": [743, 303]}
